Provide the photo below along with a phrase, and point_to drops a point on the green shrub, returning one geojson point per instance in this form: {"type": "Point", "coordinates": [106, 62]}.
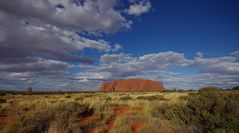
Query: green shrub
{"type": "Point", "coordinates": [126, 98]}
{"type": "Point", "coordinates": [3, 100]}
{"type": "Point", "coordinates": [37, 123]}
{"type": "Point", "coordinates": [211, 110]}
{"type": "Point", "coordinates": [209, 89]}
{"type": "Point", "coordinates": [29, 91]}
{"type": "Point", "coordinates": [67, 113]}
{"type": "Point", "coordinates": [68, 96]}
{"type": "Point", "coordinates": [63, 116]}
{"type": "Point", "coordinates": [183, 98]}
{"type": "Point", "coordinates": [150, 98]}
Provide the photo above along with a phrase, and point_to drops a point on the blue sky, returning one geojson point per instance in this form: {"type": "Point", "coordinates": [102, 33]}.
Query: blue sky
{"type": "Point", "coordinates": [184, 26]}
{"type": "Point", "coordinates": [81, 44]}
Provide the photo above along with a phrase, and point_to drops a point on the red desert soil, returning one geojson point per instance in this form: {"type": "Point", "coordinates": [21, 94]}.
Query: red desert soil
{"type": "Point", "coordinates": [120, 109]}
{"type": "Point", "coordinates": [167, 131]}
{"type": "Point", "coordinates": [4, 120]}
{"type": "Point", "coordinates": [89, 119]}
{"type": "Point", "coordinates": [109, 124]}
{"type": "Point", "coordinates": [4, 117]}
{"type": "Point", "coordinates": [132, 85]}
{"type": "Point", "coordinates": [136, 125]}
{"type": "Point", "coordinates": [90, 130]}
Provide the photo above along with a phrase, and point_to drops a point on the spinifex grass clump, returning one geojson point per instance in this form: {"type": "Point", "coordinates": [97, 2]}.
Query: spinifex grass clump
{"type": "Point", "coordinates": [211, 110]}
{"type": "Point", "coordinates": [66, 114]}
{"type": "Point", "coordinates": [150, 98]}
{"type": "Point", "coordinates": [127, 97]}
{"type": "Point", "coordinates": [62, 117]}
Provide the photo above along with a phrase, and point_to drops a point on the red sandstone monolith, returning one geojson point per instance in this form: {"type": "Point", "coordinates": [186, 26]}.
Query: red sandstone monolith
{"type": "Point", "coordinates": [132, 85]}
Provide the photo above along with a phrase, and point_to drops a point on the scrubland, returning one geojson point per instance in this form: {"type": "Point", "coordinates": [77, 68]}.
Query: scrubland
{"type": "Point", "coordinates": [208, 110]}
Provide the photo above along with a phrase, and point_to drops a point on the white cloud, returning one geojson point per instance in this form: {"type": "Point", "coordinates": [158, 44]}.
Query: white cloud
{"type": "Point", "coordinates": [235, 54]}
{"type": "Point", "coordinates": [124, 66]}
{"type": "Point", "coordinates": [139, 8]}
{"type": "Point", "coordinates": [89, 15]}
{"type": "Point", "coordinates": [43, 40]}
{"type": "Point", "coordinates": [117, 47]}
{"type": "Point", "coordinates": [220, 71]}
{"type": "Point", "coordinates": [199, 54]}
{"type": "Point", "coordinates": [226, 64]}
{"type": "Point", "coordinates": [93, 75]}
{"type": "Point", "coordinates": [116, 58]}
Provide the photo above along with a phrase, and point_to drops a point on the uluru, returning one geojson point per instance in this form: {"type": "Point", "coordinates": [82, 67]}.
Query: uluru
{"type": "Point", "coordinates": [132, 85]}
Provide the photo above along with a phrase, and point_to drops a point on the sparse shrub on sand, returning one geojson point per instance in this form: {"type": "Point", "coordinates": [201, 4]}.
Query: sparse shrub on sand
{"type": "Point", "coordinates": [120, 126]}
{"type": "Point", "coordinates": [211, 110]}
{"type": "Point", "coordinates": [38, 122]}
{"type": "Point", "coordinates": [68, 96]}
{"type": "Point", "coordinates": [150, 98]}
{"type": "Point", "coordinates": [126, 98]}
{"type": "Point", "coordinates": [208, 110]}
{"type": "Point", "coordinates": [68, 112]}
{"type": "Point", "coordinates": [184, 98]}
{"type": "Point", "coordinates": [3, 100]}
{"type": "Point", "coordinates": [62, 116]}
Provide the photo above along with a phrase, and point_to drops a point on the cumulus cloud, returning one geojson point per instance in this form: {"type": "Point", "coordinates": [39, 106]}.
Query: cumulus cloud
{"type": "Point", "coordinates": [200, 80]}
{"type": "Point", "coordinates": [220, 71]}
{"type": "Point", "coordinates": [139, 8]}
{"type": "Point", "coordinates": [199, 54]}
{"type": "Point", "coordinates": [47, 32]}
{"type": "Point", "coordinates": [116, 58]}
{"type": "Point", "coordinates": [88, 15]}
{"type": "Point", "coordinates": [50, 41]}
{"type": "Point", "coordinates": [235, 53]}
{"type": "Point", "coordinates": [124, 65]}
{"type": "Point", "coordinates": [85, 76]}
{"type": "Point", "coordinates": [227, 65]}
{"type": "Point", "coordinates": [117, 47]}
{"type": "Point", "coordinates": [43, 39]}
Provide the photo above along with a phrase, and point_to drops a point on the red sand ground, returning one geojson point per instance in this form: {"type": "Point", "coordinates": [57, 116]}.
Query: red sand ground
{"type": "Point", "coordinates": [136, 125]}
{"type": "Point", "coordinates": [89, 119]}
{"type": "Point", "coordinates": [90, 130]}
{"type": "Point", "coordinates": [117, 111]}
{"type": "Point", "coordinates": [109, 124]}
{"type": "Point", "coordinates": [4, 120]}
{"type": "Point", "coordinates": [4, 117]}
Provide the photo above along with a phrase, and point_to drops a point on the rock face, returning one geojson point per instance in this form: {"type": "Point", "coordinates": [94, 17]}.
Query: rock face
{"type": "Point", "coordinates": [132, 85]}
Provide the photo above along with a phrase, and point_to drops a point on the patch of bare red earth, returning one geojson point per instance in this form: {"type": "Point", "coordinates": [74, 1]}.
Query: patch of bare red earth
{"type": "Point", "coordinates": [4, 117]}
{"type": "Point", "coordinates": [135, 125]}
{"type": "Point", "coordinates": [89, 120]}
{"type": "Point", "coordinates": [117, 111]}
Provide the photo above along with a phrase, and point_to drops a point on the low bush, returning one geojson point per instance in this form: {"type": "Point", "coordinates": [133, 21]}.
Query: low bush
{"type": "Point", "coordinates": [3, 100]}
{"type": "Point", "coordinates": [38, 122]}
{"type": "Point", "coordinates": [126, 98]}
{"type": "Point", "coordinates": [211, 110]}
{"type": "Point", "coordinates": [67, 113]}
{"type": "Point", "coordinates": [63, 117]}
{"type": "Point", "coordinates": [68, 96]}
{"type": "Point", "coordinates": [155, 97]}
{"type": "Point", "coordinates": [183, 98]}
